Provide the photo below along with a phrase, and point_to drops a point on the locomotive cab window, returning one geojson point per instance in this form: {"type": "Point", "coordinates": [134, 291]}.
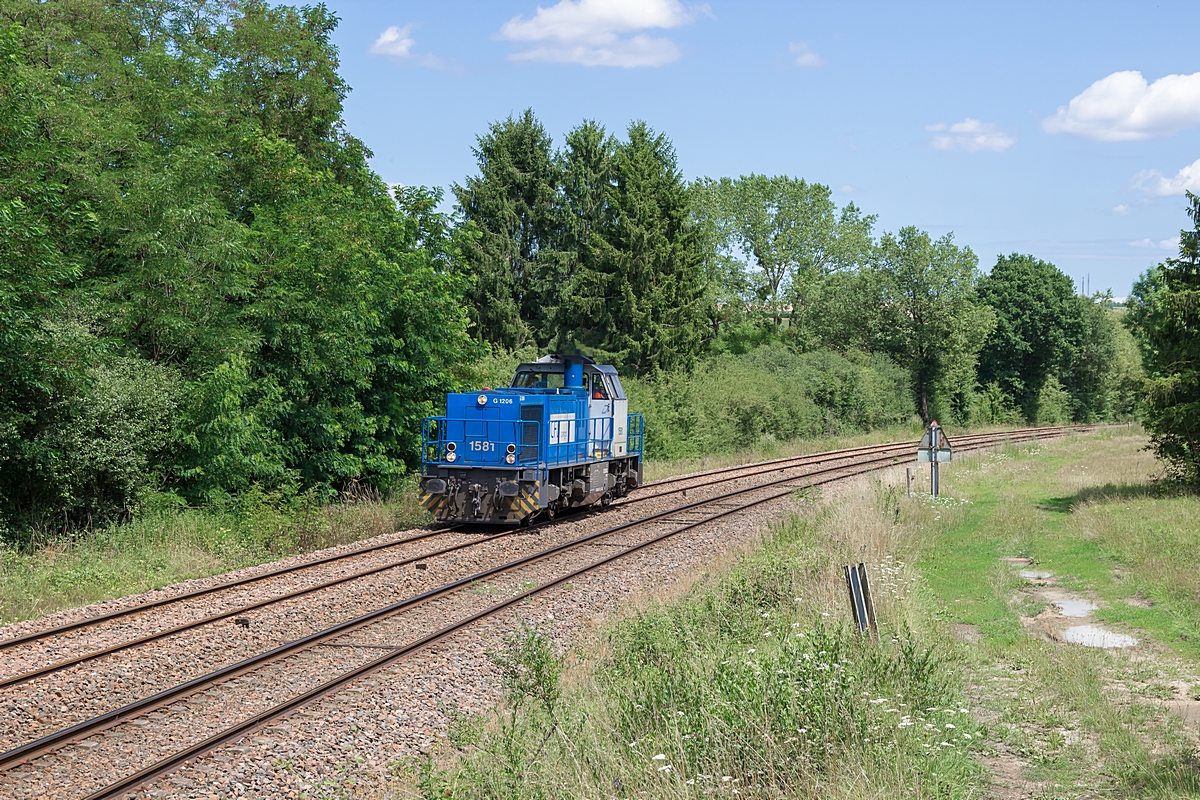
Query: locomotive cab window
{"type": "Point", "coordinates": [538, 380]}
{"type": "Point", "coordinates": [599, 390]}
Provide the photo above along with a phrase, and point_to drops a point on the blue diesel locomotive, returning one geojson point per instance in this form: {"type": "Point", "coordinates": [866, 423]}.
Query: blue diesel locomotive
{"type": "Point", "coordinates": [559, 437]}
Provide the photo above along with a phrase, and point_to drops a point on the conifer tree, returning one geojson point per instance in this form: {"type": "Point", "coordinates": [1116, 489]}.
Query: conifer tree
{"type": "Point", "coordinates": [637, 297]}
{"type": "Point", "coordinates": [512, 208]}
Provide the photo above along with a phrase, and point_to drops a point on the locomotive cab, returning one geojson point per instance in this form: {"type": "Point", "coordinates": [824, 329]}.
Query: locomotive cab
{"type": "Point", "coordinates": [559, 437]}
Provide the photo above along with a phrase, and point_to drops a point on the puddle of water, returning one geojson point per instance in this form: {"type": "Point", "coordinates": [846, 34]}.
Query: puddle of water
{"type": "Point", "coordinates": [1075, 608]}
{"type": "Point", "coordinates": [1095, 636]}
{"type": "Point", "coordinates": [1034, 575]}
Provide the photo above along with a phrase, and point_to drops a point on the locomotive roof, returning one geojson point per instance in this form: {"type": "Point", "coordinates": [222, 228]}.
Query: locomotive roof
{"type": "Point", "coordinates": [558, 363]}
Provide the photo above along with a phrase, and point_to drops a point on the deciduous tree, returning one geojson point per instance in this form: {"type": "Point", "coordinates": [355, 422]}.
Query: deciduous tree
{"type": "Point", "coordinates": [1039, 325]}
{"type": "Point", "coordinates": [928, 319]}
{"type": "Point", "coordinates": [1164, 312]}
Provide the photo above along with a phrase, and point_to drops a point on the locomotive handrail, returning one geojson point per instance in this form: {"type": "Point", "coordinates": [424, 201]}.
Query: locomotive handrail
{"type": "Point", "coordinates": [485, 441]}
{"type": "Point", "coordinates": [635, 438]}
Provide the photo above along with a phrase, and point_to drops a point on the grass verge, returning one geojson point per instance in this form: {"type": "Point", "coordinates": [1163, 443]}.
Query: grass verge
{"type": "Point", "coordinates": [159, 548]}
{"type": "Point", "coordinates": [752, 684]}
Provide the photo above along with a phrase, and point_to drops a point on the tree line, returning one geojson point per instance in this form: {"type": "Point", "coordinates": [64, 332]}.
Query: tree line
{"type": "Point", "coordinates": [602, 247]}
{"type": "Point", "coordinates": [205, 289]}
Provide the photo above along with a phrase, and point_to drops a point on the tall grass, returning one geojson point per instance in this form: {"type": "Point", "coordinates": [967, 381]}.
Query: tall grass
{"type": "Point", "coordinates": [753, 682]}
{"type": "Point", "coordinates": [164, 546]}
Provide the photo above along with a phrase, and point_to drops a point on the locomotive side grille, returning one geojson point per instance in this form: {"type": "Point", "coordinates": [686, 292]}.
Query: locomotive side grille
{"type": "Point", "coordinates": [529, 452]}
{"type": "Point", "coordinates": [532, 412]}
{"type": "Point", "coordinates": [529, 433]}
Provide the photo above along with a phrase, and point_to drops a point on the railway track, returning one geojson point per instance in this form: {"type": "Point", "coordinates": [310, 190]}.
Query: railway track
{"type": "Point", "coordinates": [640, 495]}
{"type": "Point", "coordinates": [649, 492]}
{"type": "Point", "coordinates": [563, 562]}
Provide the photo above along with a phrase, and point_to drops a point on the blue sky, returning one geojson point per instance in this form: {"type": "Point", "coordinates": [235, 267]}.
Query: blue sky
{"type": "Point", "coordinates": [1018, 126]}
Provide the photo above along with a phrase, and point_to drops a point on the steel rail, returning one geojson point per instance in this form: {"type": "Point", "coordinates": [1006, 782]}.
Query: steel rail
{"type": "Point", "coordinates": [82, 730]}
{"type": "Point", "coordinates": [860, 448]}
{"type": "Point", "coordinates": [58, 666]}
{"type": "Point", "coordinates": [56, 740]}
{"type": "Point", "coordinates": [760, 467]}
{"type": "Point", "coordinates": [66, 627]}
{"type": "Point", "coordinates": [122, 612]}
{"type": "Point", "coordinates": [125, 785]}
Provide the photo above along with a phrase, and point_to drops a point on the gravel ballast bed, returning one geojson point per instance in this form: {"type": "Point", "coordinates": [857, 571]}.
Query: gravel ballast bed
{"type": "Point", "coordinates": [408, 705]}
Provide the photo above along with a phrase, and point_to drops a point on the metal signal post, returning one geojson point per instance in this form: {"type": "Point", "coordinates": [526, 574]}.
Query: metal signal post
{"type": "Point", "coordinates": [934, 448]}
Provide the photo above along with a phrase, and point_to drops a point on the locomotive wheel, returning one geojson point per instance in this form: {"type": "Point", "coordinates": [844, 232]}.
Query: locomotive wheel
{"type": "Point", "coordinates": [606, 500]}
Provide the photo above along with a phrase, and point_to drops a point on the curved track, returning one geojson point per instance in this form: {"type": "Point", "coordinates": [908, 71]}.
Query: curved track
{"type": "Point", "coordinates": [632, 536]}
{"type": "Point", "coordinates": [650, 491]}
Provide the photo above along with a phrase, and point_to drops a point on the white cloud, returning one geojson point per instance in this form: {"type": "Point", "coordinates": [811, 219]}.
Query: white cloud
{"type": "Point", "coordinates": [846, 189]}
{"type": "Point", "coordinates": [590, 32]}
{"type": "Point", "coordinates": [1122, 209]}
{"type": "Point", "coordinates": [805, 57]}
{"type": "Point", "coordinates": [1124, 108]}
{"type": "Point", "coordinates": [970, 135]}
{"type": "Point", "coordinates": [1151, 181]}
{"type": "Point", "coordinates": [394, 42]}
{"type": "Point", "coordinates": [1161, 244]}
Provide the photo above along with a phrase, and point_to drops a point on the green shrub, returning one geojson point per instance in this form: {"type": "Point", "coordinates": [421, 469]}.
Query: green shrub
{"type": "Point", "coordinates": [991, 406]}
{"type": "Point", "coordinates": [771, 394]}
{"type": "Point", "coordinates": [100, 450]}
{"type": "Point", "coordinates": [1054, 403]}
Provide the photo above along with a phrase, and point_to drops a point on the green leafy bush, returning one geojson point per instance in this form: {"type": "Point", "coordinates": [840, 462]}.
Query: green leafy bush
{"type": "Point", "coordinates": [771, 394]}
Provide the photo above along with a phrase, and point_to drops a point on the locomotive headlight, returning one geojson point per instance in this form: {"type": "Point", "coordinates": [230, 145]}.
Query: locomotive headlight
{"type": "Point", "coordinates": [451, 457]}
{"type": "Point", "coordinates": [482, 400]}
{"type": "Point", "coordinates": [512, 448]}
{"type": "Point", "coordinates": [510, 458]}
{"type": "Point", "coordinates": [451, 447]}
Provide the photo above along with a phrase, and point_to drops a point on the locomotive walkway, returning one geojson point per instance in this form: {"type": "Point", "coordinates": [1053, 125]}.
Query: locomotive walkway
{"type": "Point", "coordinates": [151, 733]}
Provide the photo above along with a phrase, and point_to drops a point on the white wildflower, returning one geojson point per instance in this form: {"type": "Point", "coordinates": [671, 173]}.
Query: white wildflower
{"type": "Point", "coordinates": [659, 757]}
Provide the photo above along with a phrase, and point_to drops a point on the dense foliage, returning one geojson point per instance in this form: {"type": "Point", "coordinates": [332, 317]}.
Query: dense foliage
{"type": "Point", "coordinates": [203, 287]}
{"type": "Point", "coordinates": [1165, 314]}
{"type": "Point", "coordinates": [769, 396]}
{"type": "Point", "coordinates": [1055, 355]}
